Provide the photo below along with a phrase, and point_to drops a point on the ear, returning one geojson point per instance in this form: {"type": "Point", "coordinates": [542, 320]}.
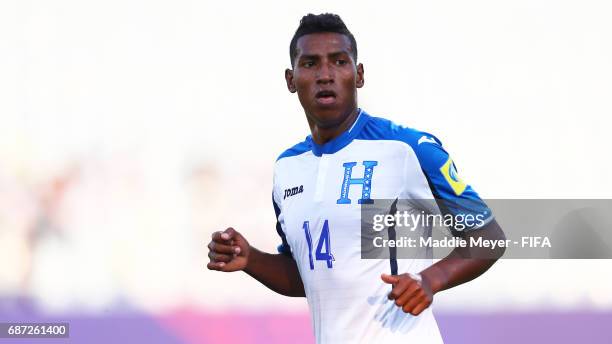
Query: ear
{"type": "Point", "coordinates": [289, 80]}
{"type": "Point", "coordinates": [360, 79]}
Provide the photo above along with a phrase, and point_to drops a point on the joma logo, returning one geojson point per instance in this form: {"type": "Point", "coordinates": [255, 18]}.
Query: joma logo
{"type": "Point", "coordinates": [293, 191]}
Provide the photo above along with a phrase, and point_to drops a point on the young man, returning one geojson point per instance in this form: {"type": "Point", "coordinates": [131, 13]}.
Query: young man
{"type": "Point", "coordinates": [319, 186]}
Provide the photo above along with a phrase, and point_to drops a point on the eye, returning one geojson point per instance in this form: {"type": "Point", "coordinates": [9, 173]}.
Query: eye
{"type": "Point", "coordinates": [341, 62]}
{"type": "Point", "coordinates": [308, 64]}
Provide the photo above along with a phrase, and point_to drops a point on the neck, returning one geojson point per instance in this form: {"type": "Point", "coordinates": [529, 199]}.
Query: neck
{"type": "Point", "coordinates": [324, 134]}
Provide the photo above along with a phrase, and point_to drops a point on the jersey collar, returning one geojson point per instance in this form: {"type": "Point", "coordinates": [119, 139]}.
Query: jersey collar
{"type": "Point", "coordinates": [342, 140]}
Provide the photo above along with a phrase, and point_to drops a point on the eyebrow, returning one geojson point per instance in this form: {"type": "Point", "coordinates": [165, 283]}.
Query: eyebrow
{"type": "Point", "coordinates": [314, 56]}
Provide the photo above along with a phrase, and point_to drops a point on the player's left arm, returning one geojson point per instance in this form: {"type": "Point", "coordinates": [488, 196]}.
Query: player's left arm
{"type": "Point", "coordinates": [414, 293]}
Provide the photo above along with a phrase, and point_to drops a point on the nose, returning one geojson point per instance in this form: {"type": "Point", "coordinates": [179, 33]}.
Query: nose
{"type": "Point", "coordinates": [325, 74]}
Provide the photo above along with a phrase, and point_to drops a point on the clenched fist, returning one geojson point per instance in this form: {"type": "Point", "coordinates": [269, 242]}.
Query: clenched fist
{"type": "Point", "coordinates": [410, 292]}
{"type": "Point", "coordinates": [228, 251]}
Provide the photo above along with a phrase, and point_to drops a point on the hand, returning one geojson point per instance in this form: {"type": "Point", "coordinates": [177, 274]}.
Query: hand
{"type": "Point", "coordinates": [411, 295]}
{"type": "Point", "coordinates": [228, 251]}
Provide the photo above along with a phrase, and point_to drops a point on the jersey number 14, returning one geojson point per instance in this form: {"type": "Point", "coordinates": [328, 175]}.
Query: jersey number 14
{"type": "Point", "coordinates": [323, 251]}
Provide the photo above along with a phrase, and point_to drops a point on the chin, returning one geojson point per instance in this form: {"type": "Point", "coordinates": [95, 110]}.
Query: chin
{"type": "Point", "coordinates": [326, 118]}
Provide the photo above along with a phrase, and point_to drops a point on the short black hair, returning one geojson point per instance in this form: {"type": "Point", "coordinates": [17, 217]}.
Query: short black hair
{"type": "Point", "coordinates": [324, 22]}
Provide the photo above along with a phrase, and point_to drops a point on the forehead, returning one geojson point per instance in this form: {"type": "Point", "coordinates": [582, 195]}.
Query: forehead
{"type": "Point", "coordinates": [322, 43]}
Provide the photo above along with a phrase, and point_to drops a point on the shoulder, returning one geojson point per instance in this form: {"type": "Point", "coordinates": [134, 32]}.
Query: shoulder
{"type": "Point", "coordinates": [378, 128]}
{"type": "Point", "coordinates": [295, 150]}
{"type": "Point", "coordinates": [424, 144]}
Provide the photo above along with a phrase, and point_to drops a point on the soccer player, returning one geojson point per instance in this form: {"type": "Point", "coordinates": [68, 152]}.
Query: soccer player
{"type": "Point", "coordinates": [319, 185]}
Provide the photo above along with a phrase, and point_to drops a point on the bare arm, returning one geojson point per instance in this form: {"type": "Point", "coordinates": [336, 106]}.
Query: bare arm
{"type": "Point", "coordinates": [460, 266]}
{"type": "Point", "coordinates": [230, 251]}
{"type": "Point", "coordinates": [278, 272]}
{"type": "Point", "coordinates": [414, 296]}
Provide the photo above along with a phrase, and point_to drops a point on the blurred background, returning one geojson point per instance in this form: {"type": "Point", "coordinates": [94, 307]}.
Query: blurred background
{"type": "Point", "coordinates": [131, 130]}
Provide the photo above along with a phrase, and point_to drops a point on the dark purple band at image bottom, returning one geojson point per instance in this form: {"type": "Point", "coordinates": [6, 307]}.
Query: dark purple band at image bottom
{"type": "Point", "coordinates": [190, 326]}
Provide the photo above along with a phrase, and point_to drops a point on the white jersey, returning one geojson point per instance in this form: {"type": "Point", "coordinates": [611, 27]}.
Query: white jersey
{"type": "Point", "coordinates": [318, 191]}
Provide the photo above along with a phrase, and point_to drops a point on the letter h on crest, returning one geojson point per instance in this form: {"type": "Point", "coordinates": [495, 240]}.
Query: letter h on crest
{"type": "Point", "coordinates": [366, 182]}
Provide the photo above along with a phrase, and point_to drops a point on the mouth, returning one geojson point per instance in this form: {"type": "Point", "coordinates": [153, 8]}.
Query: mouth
{"type": "Point", "coordinates": [325, 97]}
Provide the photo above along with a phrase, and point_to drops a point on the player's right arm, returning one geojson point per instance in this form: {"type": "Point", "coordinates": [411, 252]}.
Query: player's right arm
{"type": "Point", "coordinates": [230, 251]}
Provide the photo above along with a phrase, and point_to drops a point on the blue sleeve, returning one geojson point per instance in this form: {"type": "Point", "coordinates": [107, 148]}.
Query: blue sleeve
{"type": "Point", "coordinates": [284, 247]}
{"type": "Point", "coordinates": [452, 194]}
